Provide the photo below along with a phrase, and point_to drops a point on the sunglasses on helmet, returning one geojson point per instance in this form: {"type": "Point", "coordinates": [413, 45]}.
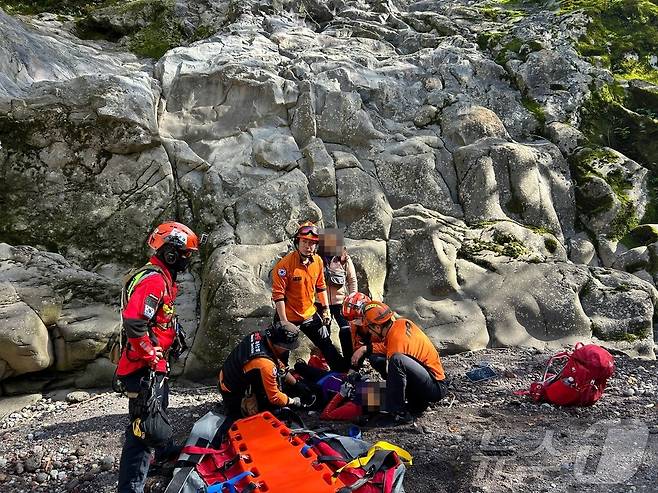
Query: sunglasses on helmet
{"type": "Point", "coordinates": [304, 230]}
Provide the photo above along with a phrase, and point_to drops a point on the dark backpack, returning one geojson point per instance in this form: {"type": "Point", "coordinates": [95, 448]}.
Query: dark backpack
{"type": "Point", "coordinates": [579, 382]}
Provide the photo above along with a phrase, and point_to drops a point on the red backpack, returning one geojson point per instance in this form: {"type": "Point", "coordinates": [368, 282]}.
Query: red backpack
{"type": "Point", "coordinates": [580, 382]}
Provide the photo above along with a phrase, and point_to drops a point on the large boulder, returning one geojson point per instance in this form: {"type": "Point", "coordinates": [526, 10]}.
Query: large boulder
{"type": "Point", "coordinates": [362, 204]}
{"type": "Point", "coordinates": [56, 313]}
{"type": "Point", "coordinates": [94, 134]}
{"type": "Point", "coordinates": [530, 184]}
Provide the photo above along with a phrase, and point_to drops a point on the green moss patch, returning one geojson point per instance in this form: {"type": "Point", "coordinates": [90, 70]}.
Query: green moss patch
{"type": "Point", "coordinates": [585, 167]}
{"type": "Point", "coordinates": [619, 335]}
{"type": "Point", "coordinates": [622, 35]}
{"type": "Point", "coordinates": [63, 7]}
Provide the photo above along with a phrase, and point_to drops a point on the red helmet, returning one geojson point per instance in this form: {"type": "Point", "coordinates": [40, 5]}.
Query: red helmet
{"type": "Point", "coordinates": [376, 313]}
{"type": "Point", "coordinates": [353, 305]}
{"type": "Point", "coordinates": [308, 231]}
{"type": "Point", "coordinates": [175, 233]}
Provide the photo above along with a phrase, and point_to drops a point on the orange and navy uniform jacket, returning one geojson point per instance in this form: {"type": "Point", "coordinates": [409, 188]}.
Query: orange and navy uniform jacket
{"type": "Point", "coordinates": [252, 363]}
{"type": "Point", "coordinates": [297, 284]}
{"type": "Point", "coordinates": [148, 319]}
{"type": "Point", "coordinates": [361, 337]}
{"type": "Point", "coordinates": [406, 337]}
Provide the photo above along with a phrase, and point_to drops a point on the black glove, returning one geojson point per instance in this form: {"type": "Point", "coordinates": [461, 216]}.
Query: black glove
{"type": "Point", "coordinates": [301, 389]}
{"type": "Point", "coordinates": [179, 346]}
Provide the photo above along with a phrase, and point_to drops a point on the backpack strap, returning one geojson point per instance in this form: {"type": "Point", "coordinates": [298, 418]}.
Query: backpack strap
{"type": "Point", "coordinates": [364, 461]}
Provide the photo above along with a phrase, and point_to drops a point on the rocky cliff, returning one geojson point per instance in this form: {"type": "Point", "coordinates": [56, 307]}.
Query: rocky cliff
{"type": "Point", "coordinates": [493, 166]}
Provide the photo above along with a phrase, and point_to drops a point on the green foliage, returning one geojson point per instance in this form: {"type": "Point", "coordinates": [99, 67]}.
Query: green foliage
{"type": "Point", "coordinates": [612, 118]}
{"type": "Point", "coordinates": [622, 34]}
{"type": "Point", "coordinates": [535, 108]}
{"type": "Point", "coordinates": [585, 167]}
{"type": "Point", "coordinates": [64, 7]}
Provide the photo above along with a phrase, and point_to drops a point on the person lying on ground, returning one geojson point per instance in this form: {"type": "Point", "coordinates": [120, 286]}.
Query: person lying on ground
{"type": "Point", "coordinates": [356, 400]}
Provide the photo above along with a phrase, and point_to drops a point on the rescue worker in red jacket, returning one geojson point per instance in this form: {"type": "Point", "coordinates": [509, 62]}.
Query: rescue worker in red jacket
{"type": "Point", "coordinates": [150, 325]}
{"type": "Point", "coordinates": [255, 372]}
{"type": "Point", "coordinates": [415, 372]}
{"type": "Point", "coordinates": [296, 279]}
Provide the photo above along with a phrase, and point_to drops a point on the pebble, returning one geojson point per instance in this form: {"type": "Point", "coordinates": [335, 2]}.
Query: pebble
{"type": "Point", "coordinates": [73, 484]}
{"type": "Point", "coordinates": [77, 396]}
{"type": "Point", "coordinates": [628, 392]}
{"type": "Point", "coordinates": [41, 477]}
{"type": "Point", "coordinates": [20, 468]}
{"type": "Point", "coordinates": [54, 473]}
{"type": "Point", "coordinates": [107, 463]}
{"type": "Point", "coordinates": [32, 464]}
{"type": "Point", "coordinates": [3, 462]}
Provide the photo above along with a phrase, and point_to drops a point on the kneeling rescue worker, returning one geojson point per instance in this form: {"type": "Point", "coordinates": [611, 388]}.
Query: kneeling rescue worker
{"type": "Point", "coordinates": [255, 371]}
{"type": "Point", "coordinates": [150, 325]}
{"type": "Point", "coordinates": [415, 374]}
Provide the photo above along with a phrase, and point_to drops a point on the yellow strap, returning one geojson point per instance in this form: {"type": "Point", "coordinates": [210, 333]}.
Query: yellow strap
{"type": "Point", "coordinates": [137, 431]}
{"type": "Point", "coordinates": [381, 445]}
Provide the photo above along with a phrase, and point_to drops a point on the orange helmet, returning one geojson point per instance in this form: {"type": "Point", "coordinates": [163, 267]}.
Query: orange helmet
{"type": "Point", "coordinates": [353, 305]}
{"type": "Point", "coordinates": [308, 231]}
{"type": "Point", "coordinates": [174, 233]}
{"type": "Point", "coordinates": [376, 313]}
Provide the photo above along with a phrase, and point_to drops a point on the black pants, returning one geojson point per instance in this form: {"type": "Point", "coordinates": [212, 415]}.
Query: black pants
{"type": "Point", "coordinates": [135, 455]}
{"type": "Point", "coordinates": [409, 380]}
{"type": "Point", "coordinates": [312, 328]}
{"type": "Point", "coordinates": [344, 334]}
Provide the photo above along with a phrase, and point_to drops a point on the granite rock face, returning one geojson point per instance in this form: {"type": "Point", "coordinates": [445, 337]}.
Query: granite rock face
{"type": "Point", "coordinates": [443, 142]}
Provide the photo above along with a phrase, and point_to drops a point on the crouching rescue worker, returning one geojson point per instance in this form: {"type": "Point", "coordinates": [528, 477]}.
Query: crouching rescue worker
{"type": "Point", "coordinates": [296, 279]}
{"type": "Point", "coordinates": [365, 345]}
{"type": "Point", "coordinates": [415, 373]}
{"type": "Point", "coordinates": [151, 333]}
{"type": "Point", "coordinates": [254, 374]}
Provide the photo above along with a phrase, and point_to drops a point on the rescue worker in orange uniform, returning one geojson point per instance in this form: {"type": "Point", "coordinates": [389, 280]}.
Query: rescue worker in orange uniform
{"type": "Point", "coordinates": [415, 372]}
{"type": "Point", "coordinates": [152, 331]}
{"type": "Point", "coordinates": [296, 279]}
{"type": "Point", "coordinates": [365, 346]}
{"type": "Point", "coordinates": [253, 375]}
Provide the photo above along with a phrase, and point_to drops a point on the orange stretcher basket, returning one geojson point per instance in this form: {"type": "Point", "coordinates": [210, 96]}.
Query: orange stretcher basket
{"type": "Point", "coordinates": [279, 461]}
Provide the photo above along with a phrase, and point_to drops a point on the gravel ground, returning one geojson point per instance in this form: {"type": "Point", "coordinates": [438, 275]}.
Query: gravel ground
{"type": "Point", "coordinates": [482, 438]}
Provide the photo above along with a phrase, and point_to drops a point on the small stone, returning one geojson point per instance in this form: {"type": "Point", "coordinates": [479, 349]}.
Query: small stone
{"type": "Point", "coordinates": [61, 476]}
{"type": "Point", "coordinates": [32, 464]}
{"type": "Point", "coordinates": [77, 396]}
{"type": "Point", "coordinates": [73, 484]}
{"type": "Point", "coordinates": [54, 473]}
{"type": "Point", "coordinates": [3, 463]}
{"type": "Point", "coordinates": [107, 463]}
{"type": "Point", "coordinates": [3, 477]}
{"type": "Point", "coordinates": [41, 477]}
{"type": "Point", "coordinates": [628, 392]}
{"type": "Point", "coordinates": [20, 468]}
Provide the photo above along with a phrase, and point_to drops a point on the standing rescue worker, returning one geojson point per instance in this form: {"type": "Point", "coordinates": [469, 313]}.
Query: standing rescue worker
{"type": "Point", "coordinates": [296, 279]}
{"type": "Point", "coordinates": [151, 329]}
{"type": "Point", "coordinates": [253, 375]}
{"type": "Point", "coordinates": [415, 373]}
